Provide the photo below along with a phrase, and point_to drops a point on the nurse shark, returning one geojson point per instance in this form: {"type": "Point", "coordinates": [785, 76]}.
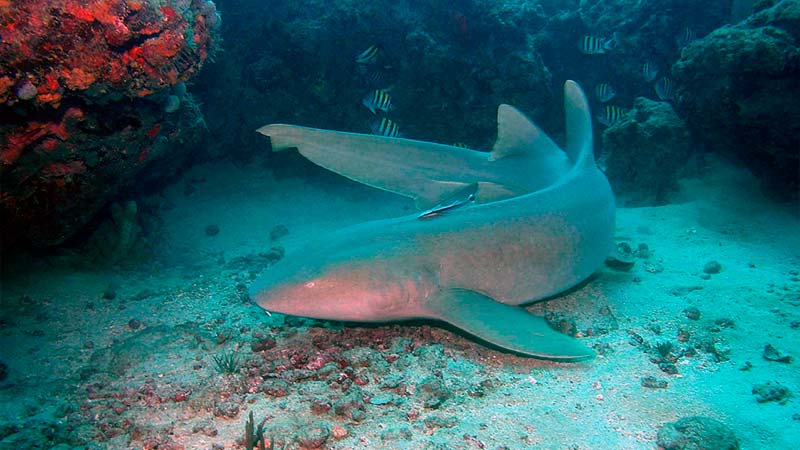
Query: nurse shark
{"type": "Point", "coordinates": [498, 230]}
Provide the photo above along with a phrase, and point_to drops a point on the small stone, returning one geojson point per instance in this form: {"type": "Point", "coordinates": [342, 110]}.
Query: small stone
{"type": "Point", "coordinates": [227, 409]}
{"type": "Point", "coordinates": [720, 351]}
{"type": "Point", "coordinates": [275, 387]}
{"type": "Point", "coordinates": [623, 258]}
{"type": "Point", "coordinates": [352, 405]}
{"type": "Point", "coordinates": [654, 383]}
{"type": "Point", "coordinates": [320, 406]}
{"type": "Point", "coordinates": [440, 422]}
{"type": "Point", "coordinates": [724, 322]}
{"type": "Point", "coordinates": [260, 345]}
{"type": "Point", "coordinates": [278, 232]}
{"type": "Point", "coordinates": [692, 313]}
{"type": "Point", "coordinates": [206, 429]}
{"type": "Point", "coordinates": [26, 91]}
{"type": "Point", "coordinates": [397, 434]}
{"type": "Point", "coordinates": [712, 267]}
{"type": "Point", "coordinates": [768, 392]}
{"type": "Point", "coordinates": [314, 435]}
{"type": "Point", "coordinates": [433, 392]}
{"type": "Point", "coordinates": [668, 367]}
{"type": "Point", "coordinates": [773, 354]}
{"type": "Point", "coordinates": [212, 230]}
{"type": "Point", "coordinates": [134, 324]}
{"type": "Point", "coordinates": [392, 381]}
{"type": "Point", "coordinates": [383, 398]}
{"type": "Point", "coordinates": [697, 433]}
{"type": "Point", "coordinates": [339, 432]}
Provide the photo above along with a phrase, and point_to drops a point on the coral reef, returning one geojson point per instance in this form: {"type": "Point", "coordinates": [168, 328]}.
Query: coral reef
{"type": "Point", "coordinates": [82, 86]}
{"type": "Point", "coordinates": [736, 89]}
{"type": "Point", "coordinates": [100, 48]}
{"type": "Point", "coordinates": [645, 151]}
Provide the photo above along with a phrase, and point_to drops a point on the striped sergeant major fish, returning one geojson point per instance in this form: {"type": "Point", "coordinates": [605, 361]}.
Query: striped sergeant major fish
{"type": "Point", "coordinates": [685, 37]}
{"type": "Point", "coordinates": [611, 115]}
{"type": "Point", "coordinates": [592, 45]}
{"type": "Point", "coordinates": [369, 55]}
{"type": "Point", "coordinates": [649, 72]}
{"type": "Point", "coordinates": [378, 100]}
{"type": "Point", "coordinates": [665, 89]}
{"type": "Point", "coordinates": [385, 127]}
{"type": "Point", "coordinates": [604, 92]}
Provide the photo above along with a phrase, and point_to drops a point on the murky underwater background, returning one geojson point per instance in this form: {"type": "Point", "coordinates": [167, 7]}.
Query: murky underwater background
{"type": "Point", "coordinates": [138, 203]}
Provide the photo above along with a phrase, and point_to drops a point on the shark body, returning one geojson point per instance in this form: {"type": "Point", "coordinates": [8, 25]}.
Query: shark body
{"type": "Point", "coordinates": [538, 221]}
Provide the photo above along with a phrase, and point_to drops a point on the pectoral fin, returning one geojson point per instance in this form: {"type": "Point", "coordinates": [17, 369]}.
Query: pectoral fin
{"type": "Point", "coordinates": [508, 327]}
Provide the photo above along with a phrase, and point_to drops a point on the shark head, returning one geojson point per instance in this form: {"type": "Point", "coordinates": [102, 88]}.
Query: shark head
{"type": "Point", "coordinates": [352, 289]}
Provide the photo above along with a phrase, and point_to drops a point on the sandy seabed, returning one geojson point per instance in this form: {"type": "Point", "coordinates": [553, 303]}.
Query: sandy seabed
{"type": "Point", "coordinates": [123, 358]}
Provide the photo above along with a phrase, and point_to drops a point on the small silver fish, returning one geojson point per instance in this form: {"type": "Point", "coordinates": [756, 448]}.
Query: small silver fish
{"type": "Point", "coordinates": [611, 115]}
{"type": "Point", "coordinates": [592, 45]}
{"type": "Point", "coordinates": [604, 92]}
{"type": "Point", "coordinates": [369, 55]}
{"type": "Point", "coordinates": [649, 72]}
{"type": "Point", "coordinates": [385, 127]}
{"type": "Point", "coordinates": [465, 197]}
{"type": "Point", "coordinates": [378, 100]}
{"type": "Point", "coordinates": [665, 89]}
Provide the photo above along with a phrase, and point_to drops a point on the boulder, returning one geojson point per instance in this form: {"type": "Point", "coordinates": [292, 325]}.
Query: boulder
{"type": "Point", "coordinates": [737, 88]}
{"type": "Point", "coordinates": [83, 88]}
{"type": "Point", "coordinates": [644, 151]}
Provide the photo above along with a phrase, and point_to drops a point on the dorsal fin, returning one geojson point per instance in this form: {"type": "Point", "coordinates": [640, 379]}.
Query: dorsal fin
{"type": "Point", "coordinates": [517, 135]}
{"type": "Point", "coordinates": [580, 146]}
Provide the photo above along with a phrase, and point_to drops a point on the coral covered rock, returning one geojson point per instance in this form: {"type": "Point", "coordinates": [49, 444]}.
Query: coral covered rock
{"type": "Point", "coordinates": [645, 150]}
{"type": "Point", "coordinates": [100, 47]}
{"type": "Point", "coordinates": [697, 433]}
{"type": "Point", "coordinates": [738, 89]}
{"type": "Point", "coordinates": [82, 91]}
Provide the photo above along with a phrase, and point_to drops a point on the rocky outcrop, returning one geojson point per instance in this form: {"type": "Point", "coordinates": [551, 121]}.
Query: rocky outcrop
{"type": "Point", "coordinates": [738, 89]}
{"type": "Point", "coordinates": [644, 151]}
{"type": "Point", "coordinates": [88, 95]}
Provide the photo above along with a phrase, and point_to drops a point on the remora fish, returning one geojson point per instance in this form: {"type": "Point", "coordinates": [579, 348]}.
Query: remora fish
{"type": "Point", "coordinates": [541, 222]}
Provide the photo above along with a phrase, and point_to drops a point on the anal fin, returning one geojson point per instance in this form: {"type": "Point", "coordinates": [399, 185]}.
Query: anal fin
{"type": "Point", "coordinates": [508, 327]}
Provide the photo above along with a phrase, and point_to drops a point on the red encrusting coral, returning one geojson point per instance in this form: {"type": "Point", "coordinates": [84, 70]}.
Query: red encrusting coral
{"type": "Point", "coordinates": [72, 77]}
{"type": "Point", "coordinates": [22, 137]}
{"type": "Point", "coordinates": [123, 46]}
